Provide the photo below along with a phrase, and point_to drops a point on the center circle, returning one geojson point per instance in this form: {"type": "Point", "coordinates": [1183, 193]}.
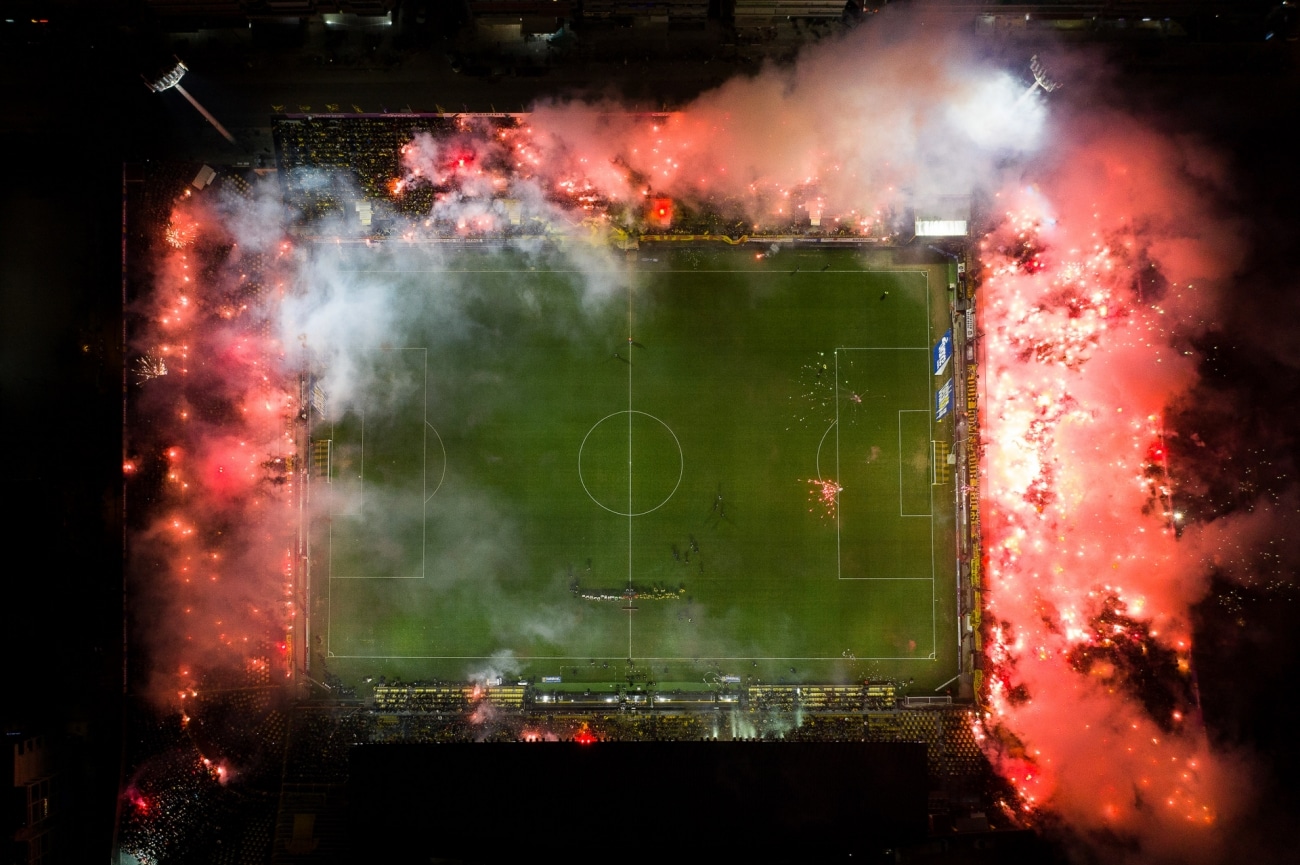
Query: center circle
{"type": "Point", "coordinates": [630, 463]}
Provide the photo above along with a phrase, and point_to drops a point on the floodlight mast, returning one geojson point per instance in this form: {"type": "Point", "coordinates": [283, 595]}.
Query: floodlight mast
{"type": "Point", "coordinates": [171, 80]}
{"type": "Point", "coordinates": [1040, 79]}
{"type": "Point", "coordinates": [1040, 75]}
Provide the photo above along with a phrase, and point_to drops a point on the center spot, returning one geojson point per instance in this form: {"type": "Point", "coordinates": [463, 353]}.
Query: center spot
{"type": "Point", "coordinates": [630, 463]}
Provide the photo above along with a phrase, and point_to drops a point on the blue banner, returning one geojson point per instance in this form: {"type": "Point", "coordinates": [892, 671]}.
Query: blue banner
{"type": "Point", "coordinates": [943, 400]}
{"type": "Point", "coordinates": [943, 353]}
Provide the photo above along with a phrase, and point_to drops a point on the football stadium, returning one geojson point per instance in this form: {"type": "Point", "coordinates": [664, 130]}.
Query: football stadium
{"type": "Point", "coordinates": [549, 471]}
{"type": "Point", "coordinates": [796, 434]}
{"type": "Point", "coordinates": [640, 461]}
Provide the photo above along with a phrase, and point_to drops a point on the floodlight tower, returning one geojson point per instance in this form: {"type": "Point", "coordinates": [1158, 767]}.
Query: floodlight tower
{"type": "Point", "coordinates": [1040, 79]}
{"type": "Point", "coordinates": [171, 80]}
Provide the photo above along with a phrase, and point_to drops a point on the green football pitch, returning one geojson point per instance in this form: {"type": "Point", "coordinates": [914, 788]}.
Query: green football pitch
{"type": "Point", "coordinates": [708, 462]}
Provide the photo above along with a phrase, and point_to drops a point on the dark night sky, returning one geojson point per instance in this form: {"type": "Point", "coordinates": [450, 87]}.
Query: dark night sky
{"type": "Point", "coordinates": [72, 108]}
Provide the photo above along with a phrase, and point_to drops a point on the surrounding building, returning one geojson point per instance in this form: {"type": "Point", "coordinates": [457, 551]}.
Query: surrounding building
{"type": "Point", "coordinates": [30, 813]}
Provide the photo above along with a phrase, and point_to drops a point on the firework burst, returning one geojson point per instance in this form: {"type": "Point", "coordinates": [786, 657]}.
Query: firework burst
{"type": "Point", "coordinates": [180, 232]}
{"type": "Point", "coordinates": [824, 496]}
{"type": "Point", "coordinates": [149, 366]}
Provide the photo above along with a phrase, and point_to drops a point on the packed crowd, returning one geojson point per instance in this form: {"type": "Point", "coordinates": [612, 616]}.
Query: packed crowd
{"type": "Point", "coordinates": [202, 784]}
{"type": "Point", "coordinates": [210, 778]}
{"type": "Point", "coordinates": [324, 160]}
{"type": "Point", "coordinates": [361, 150]}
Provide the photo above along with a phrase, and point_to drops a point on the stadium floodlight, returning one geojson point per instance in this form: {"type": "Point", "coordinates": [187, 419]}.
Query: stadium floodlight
{"type": "Point", "coordinates": [1040, 76]}
{"type": "Point", "coordinates": [171, 80]}
{"type": "Point", "coordinates": [1040, 79]}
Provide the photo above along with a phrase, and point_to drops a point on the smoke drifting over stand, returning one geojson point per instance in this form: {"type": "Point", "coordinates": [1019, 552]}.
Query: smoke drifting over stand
{"type": "Point", "coordinates": [851, 129]}
{"type": "Point", "coordinates": [1101, 269]}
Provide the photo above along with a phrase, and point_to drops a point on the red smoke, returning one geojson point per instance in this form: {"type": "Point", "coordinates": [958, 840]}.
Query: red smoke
{"type": "Point", "coordinates": [215, 431]}
{"type": "Point", "coordinates": [1092, 284]}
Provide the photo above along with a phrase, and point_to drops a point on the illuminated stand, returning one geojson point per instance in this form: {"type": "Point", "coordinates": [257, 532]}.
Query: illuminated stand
{"type": "Point", "coordinates": [172, 81]}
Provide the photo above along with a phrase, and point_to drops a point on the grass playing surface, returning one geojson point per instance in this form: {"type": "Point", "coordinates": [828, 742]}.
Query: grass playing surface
{"type": "Point", "coordinates": [523, 435]}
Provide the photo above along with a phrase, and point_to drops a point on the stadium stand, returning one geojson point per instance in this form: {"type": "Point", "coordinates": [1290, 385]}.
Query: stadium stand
{"type": "Point", "coordinates": [445, 698]}
{"type": "Point", "coordinates": [753, 13]}
{"type": "Point", "coordinates": [646, 11]}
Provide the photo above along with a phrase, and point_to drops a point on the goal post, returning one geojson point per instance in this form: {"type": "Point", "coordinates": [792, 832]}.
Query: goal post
{"type": "Point", "coordinates": [320, 458]}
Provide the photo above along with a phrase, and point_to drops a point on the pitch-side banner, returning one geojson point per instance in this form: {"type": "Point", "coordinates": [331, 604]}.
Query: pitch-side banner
{"type": "Point", "coordinates": [943, 353]}
{"type": "Point", "coordinates": [943, 400]}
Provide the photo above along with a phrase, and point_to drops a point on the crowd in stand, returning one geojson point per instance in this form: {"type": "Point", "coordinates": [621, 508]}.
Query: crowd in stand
{"type": "Point", "coordinates": [319, 741]}
{"type": "Point", "coordinates": [205, 778]}
{"type": "Point", "coordinates": [215, 771]}
{"type": "Point", "coordinates": [365, 151]}
{"type": "Point", "coordinates": [326, 160]}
